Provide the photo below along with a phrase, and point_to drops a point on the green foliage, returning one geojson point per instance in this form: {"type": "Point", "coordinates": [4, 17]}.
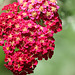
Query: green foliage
{"type": "Point", "coordinates": [1, 1]}
{"type": "Point", "coordinates": [64, 10]}
{"type": "Point", "coordinates": [16, 49]}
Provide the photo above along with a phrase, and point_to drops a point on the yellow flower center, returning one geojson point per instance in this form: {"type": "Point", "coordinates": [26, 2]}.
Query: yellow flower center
{"type": "Point", "coordinates": [34, 14]}
{"type": "Point", "coordinates": [48, 13]}
{"type": "Point", "coordinates": [20, 1]}
{"type": "Point", "coordinates": [24, 29]}
{"type": "Point", "coordinates": [49, 23]}
{"type": "Point", "coordinates": [0, 39]}
{"type": "Point", "coordinates": [30, 39]}
{"type": "Point", "coordinates": [53, 1]}
{"type": "Point", "coordinates": [17, 38]}
{"type": "Point", "coordinates": [31, 32]}
{"type": "Point", "coordinates": [29, 24]}
{"type": "Point", "coordinates": [9, 59]}
{"type": "Point", "coordinates": [24, 14]}
{"type": "Point", "coordinates": [18, 65]}
{"type": "Point", "coordinates": [3, 22]}
{"type": "Point", "coordinates": [12, 43]}
{"type": "Point", "coordinates": [7, 48]}
{"type": "Point", "coordinates": [9, 24]}
{"type": "Point", "coordinates": [16, 32]}
{"type": "Point", "coordinates": [20, 58]}
{"type": "Point", "coordinates": [41, 8]}
{"type": "Point", "coordinates": [30, 6]}
{"type": "Point", "coordinates": [42, 41]}
{"type": "Point", "coordinates": [46, 3]}
{"type": "Point", "coordinates": [49, 31]}
{"type": "Point", "coordinates": [41, 28]}
{"type": "Point", "coordinates": [10, 36]}
{"type": "Point", "coordinates": [17, 26]}
{"type": "Point", "coordinates": [53, 9]}
{"type": "Point", "coordinates": [42, 35]}
{"type": "Point", "coordinates": [33, 1]}
{"type": "Point", "coordinates": [24, 4]}
{"type": "Point", "coordinates": [35, 26]}
{"type": "Point", "coordinates": [36, 47]}
{"type": "Point", "coordinates": [39, 0]}
{"type": "Point", "coordinates": [19, 17]}
{"type": "Point", "coordinates": [9, 16]}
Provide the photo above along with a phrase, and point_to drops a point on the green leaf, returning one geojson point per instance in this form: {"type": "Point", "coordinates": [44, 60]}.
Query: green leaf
{"type": "Point", "coordinates": [16, 49]}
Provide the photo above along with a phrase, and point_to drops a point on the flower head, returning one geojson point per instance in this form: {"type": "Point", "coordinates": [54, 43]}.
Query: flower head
{"type": "Point", "coordinates": [26, 33]}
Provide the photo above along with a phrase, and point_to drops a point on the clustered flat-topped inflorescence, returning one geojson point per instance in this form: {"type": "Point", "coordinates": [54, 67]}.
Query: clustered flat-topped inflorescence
{"type": "Point", "coordinates": [26, 33]}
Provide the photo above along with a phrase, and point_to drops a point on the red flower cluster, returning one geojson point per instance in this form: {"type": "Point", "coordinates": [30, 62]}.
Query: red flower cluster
{"type": "Point", "coordinates": [26, 33]}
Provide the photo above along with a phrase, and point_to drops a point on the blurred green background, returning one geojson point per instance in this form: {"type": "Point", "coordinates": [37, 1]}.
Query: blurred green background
{"type": "Point", "coordinates": [63, 60]}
